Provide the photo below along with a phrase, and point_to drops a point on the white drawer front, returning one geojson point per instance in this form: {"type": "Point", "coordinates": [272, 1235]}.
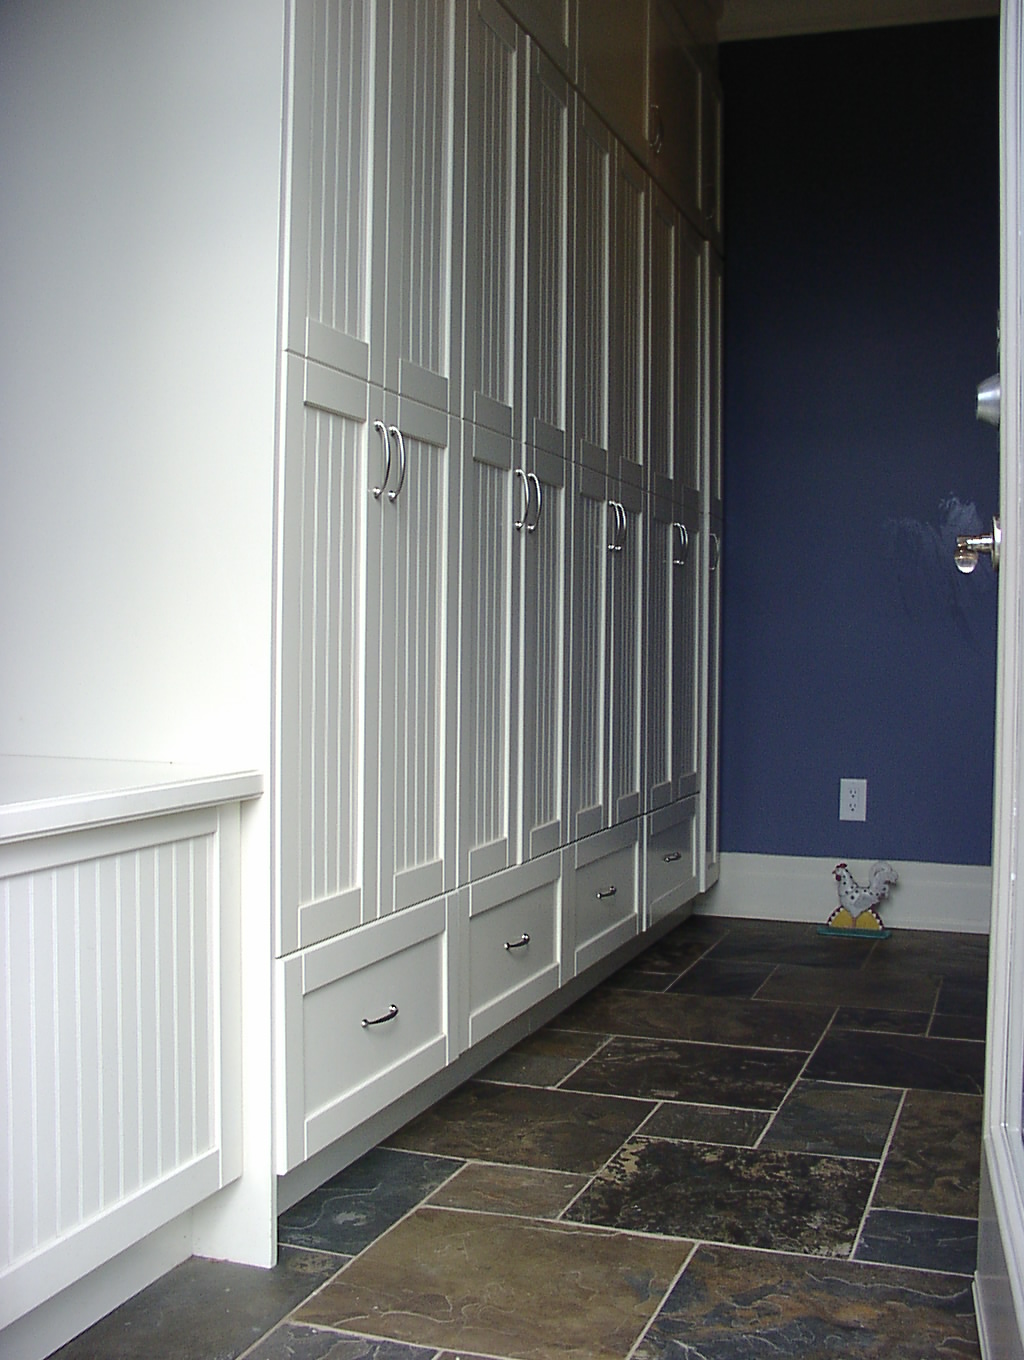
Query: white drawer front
{"type": "Point", "coordinates": [514, 929]}
{"type": "Point", "coordinates": [606, 893]}
{"type": "Point", "coordinates": [672, 861]}
{"type": "Point", "coordinates": [365, 1021]}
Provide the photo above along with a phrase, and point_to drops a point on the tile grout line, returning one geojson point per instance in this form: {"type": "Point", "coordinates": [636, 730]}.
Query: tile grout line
{"type": "Point", "coordinates": [878, 1174]}
{"type": "Point", "coordinates": [798, 1078]}
{"type": "Point", "coordinates": [665, 1298]}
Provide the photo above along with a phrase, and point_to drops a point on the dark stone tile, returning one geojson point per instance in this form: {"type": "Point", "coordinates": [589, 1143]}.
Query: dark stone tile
{"type": "Point", "coordinates": [705, 1074]}
{"type": "Point", "coordinates": [640, 980]}
{"type": "Point", "coordinates": [907, 1060]}
{"type": "Point", "coordinates": [958, 1027]}
{"type": "Point", "coordinates": [706, 1124]}
{"type": "Point", "coordinates": [521, 1190]}
{"type": "Point", "coordinates": [543, 1059]}
{"type": "Point", "coordinates": [699, 1019]}
{"type": "Point", "coordinates": [882, 1021]}
{"type": "Point", "coordinates": [744, 1305]}
{"type": "Point", "coordinates": [525, 1126]}
{"type": "Point", "coordinates": [204, 1310]}
{"type": "Point", "coordinates": [850, 987]}
{"type": "Point", "coordinates": [291, 1341]}
{"type": "Point", "coordinates": [927, 1241]}
{"type": "Point", "coordinates": [786, 942]}
{"type": "Point", "coordinates": [933, 1165]}
{"type": "Point", "coordinates": [489, 1284]}
{"type": "Point", "coordinates": [674, 953]}
{"type": "Point", "coordinates": [743, 1196]}
{"type": "Point", "coordinates": [961, 997]}
{"type": "Point", "coordinates": [845, 1121]}
{"type": "Point", "coordinates": [731, 977]}
{"type": "Point", "coordinates": [347, 1212]}
{"type": "Point", "coordinates": [940, 953]}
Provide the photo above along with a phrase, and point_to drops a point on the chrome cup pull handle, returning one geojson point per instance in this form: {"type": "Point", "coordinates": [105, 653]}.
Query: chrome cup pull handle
{"type": "Point", "coordinates": [534, 481]}
{"type": "Point", "coordinates": [523, 940]}
{"type": "Point", "coordinates": [400, 440]}
{"type": "Point", "coordinates": [382, 430]}
{"type": "Point", "coordinates": [521, 523]}
{"type": "Point", "coordinates": [389, 1014]}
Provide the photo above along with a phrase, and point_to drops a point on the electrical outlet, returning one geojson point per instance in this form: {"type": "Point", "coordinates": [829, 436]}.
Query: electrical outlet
{"type": "Point", "coordinates": [853, 800]}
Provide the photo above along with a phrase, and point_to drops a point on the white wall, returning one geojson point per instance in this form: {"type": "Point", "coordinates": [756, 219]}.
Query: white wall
{"type": "Point", "coordinates": [139, 216]}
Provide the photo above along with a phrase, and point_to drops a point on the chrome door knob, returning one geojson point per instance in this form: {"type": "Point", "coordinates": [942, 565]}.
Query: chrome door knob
{"type": "Point", "coordinates": [990, 396]}
{"type": "Point", "coordinates": [970, 546]}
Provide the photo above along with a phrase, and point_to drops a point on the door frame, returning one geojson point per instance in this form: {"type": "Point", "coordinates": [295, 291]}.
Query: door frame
{"type": "Point", "coordinates": [999, 1282]}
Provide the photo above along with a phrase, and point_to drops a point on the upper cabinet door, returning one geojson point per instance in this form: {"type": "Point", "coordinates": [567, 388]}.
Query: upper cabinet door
{"type": "Point", "coordinates": [495, 133]}
{"type": "Point", "coordinates": [415, 112]}
{"type": "Point", "coordinates": [711, 159]}
{"type": "Point", "coordinates": [628, 310]}
{"type": "Point", "coordinates": [594, 180]}
{"type": "Point", "coordinates": [332, 310]}
{"type": "Point", "coordinates": [548, 257]}
{"type": "Point", "coordinates": [553, 24]}
{"type": "Point", "coordinates": [613, 65]}
{"type": "Point", "coordinates": [661, 340]}
{"type": "Point", "coordinates": [675, 108]}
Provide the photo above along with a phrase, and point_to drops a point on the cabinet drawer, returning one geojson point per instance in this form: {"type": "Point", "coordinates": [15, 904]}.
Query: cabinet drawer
{"type": "Point", "coordinates": [513, 942]}
{"type": "Point", "coordinates": [365, 1020]}
{"type": "Point", "coordinates": [671, 856]}
{"type": "Point", "coordinates": [606, 893]}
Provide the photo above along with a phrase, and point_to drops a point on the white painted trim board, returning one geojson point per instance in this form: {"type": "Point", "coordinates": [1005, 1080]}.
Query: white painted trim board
{"type": "Point", "coordinates": [801, 888]}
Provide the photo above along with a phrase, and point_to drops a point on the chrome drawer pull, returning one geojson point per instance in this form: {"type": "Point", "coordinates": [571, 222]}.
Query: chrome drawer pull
{"type": "Point", "coordinates": [535, 481]}
{"type": "Point", "coordinates": [385, 442]}
{"type": "Point", "coordinates": [518, 944]}
{"type": "Point", "coordinates": [399, 437]}
{"type": "Point", "coordinates": [382, 1019]}
{"type": "Point", "coordinates": [607, 892]}
{"type": "Point", "coordinates": [519, 523]}
{"type": "Point", "coordinates": [672, 856]}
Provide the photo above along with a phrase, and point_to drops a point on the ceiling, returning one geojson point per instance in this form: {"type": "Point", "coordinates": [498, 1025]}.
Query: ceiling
{"type": "Point", "coordinates": [776, 18]}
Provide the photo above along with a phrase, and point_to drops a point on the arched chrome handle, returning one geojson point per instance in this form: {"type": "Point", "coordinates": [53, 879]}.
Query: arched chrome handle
{"type": "Point", "coordinates": [521, 523]}
{"type": "Point", "coordinates": [619, 536]}
{"type": "Point", "coordinates": [400, 439]}
{"type": "Point", "coordinates": [672, 856]}
{"type": "Point", "coordinates": [535, 482]}
{"type": "Point", "coordinates": [657, 136]}
{"type": "Point", "coordinates": [524, 939]}
{"type": "Point", "coordinates": [390, 1014]}
{"type": "Point", "coordinates": [716, 552]}
{"type": "Point", "coordinates": [606, 892]}
{"type": "Point", "coordinates": [684, 545]}
{"type": "Point", "coordinates": [382, 430]}
{"type": "Point", "coordinates": [968, 547]}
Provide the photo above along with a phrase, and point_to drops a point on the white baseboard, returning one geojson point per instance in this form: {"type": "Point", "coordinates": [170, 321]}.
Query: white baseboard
{"type": "Point", "coordinates": [798, 888]}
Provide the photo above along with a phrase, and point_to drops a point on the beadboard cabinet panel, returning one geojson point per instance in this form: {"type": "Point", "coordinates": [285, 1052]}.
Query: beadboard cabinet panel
{"type": "Point", "coordinates": [494, 206]}
{"type": "Point", "coordinates": [628, 306]}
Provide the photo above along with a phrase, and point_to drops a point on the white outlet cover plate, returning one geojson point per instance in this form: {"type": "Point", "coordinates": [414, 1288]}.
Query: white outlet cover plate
{"type": "Point", "coordinates": [853, 800]}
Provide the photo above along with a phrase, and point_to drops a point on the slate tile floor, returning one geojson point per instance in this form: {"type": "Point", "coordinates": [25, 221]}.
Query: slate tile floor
{"type": "Point", "coordinates": [751, 1142]}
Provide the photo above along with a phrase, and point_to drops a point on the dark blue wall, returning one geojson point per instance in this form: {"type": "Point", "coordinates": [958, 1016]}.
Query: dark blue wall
{"type": "Point", "coordinates": [862, 274]}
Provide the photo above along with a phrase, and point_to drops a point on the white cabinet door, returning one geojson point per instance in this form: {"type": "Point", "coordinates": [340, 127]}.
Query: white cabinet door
{"type": "Point", "coordinates": [626, 696]}
{"type": "Point", "coordinates": [712, 480]}
{"type": "Point", "coordinates": [494, 513]}
{"type": "Point", "coordinates": [548, 258]}
{"type": "Point", "coordinates": [709, 873]}
{"type": "Point", "coordinates": [688, 643]}
{"type": "Point", "coordinates": [334, 304]}
{"type": "Point", "coordinates": [417, 668]}
{"type": "Point", "coordinates": [613, 65]}
{"type": "Point", "coordinates": [331, 526]}
{"type": "Point", "coordinates": [593, 544]}
{"type": "Point", "coordinates": [689, 349]}
{"type": "Point", "coordinates": [594, 179]}
{"type": "Point", "coordinates": [494, 201]}
{"type": "Point", "coordinates": [415, 111]}
{"type": "Point", "coordinates": [542, 778]}
{"type": "Point", "coordinates": [662, 317]}
{"type": "Point", "coordinates": [674, 134]}
{"type": "Point", "coordinates": [552, 23]}
{"type": "Point", "coordinates": [627, 305]}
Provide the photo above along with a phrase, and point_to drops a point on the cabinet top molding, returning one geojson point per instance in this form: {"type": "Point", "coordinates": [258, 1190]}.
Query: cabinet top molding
{"type": "Point", "coordinates": [742, 19]}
